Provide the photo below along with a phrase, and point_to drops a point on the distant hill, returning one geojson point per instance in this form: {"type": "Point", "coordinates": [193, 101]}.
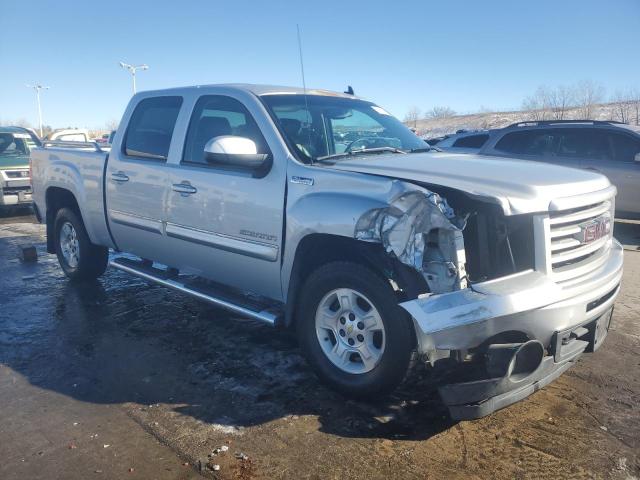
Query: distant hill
{"type": "Point", "coordinates": [433, 127]}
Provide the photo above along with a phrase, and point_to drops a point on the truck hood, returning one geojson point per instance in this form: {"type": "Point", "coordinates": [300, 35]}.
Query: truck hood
{"type": "Point", "coordinates": [13, 161]}
{"type": "Point", "coordinates": [519, 186]}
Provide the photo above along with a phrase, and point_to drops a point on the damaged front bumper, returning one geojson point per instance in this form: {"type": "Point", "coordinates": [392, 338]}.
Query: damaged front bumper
{"type": "Point", "coordinates": [564, 321]}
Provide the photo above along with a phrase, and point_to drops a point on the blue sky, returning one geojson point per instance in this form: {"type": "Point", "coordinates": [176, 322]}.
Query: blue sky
{"type": "Point", "coordinates": [464, 54]}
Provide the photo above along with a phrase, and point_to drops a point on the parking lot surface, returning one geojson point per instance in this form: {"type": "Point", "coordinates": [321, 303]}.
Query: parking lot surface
{"type": "Point", "coordinates": [123, 379]}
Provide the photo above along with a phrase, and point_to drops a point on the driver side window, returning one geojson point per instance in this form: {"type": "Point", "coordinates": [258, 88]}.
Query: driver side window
{"type": "Point", "coordinates": [216, 116]}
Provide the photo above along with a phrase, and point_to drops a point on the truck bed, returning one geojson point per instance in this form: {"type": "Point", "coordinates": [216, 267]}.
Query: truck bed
{"type": "Point", "coordinates": [80, 170]}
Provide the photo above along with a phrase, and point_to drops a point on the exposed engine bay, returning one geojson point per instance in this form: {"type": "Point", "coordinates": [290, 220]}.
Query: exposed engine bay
{"type": "Point", "coordinates": [451, 242]}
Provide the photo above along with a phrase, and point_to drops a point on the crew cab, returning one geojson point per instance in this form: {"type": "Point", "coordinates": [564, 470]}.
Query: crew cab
{"type": "Point", "coordinates": [320, 211]}
{"type": "Point", "coordinates": [16, 144]}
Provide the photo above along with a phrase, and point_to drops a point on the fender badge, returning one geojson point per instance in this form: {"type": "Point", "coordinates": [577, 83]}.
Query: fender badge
{"type": "Point", "coordinates": [302, 180]}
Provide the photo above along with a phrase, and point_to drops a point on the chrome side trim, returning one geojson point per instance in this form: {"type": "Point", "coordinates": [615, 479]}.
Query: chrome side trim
{"type": "Point", "coordinates": [263, 251]}
{"type": "Point", "coordinates": [136, 221]}
{"type": "Point", "coordinates": [264, 316]}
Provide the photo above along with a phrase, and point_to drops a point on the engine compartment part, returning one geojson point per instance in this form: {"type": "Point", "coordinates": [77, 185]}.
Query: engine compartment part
{"type": "Point", "coordinates": [421, 230]}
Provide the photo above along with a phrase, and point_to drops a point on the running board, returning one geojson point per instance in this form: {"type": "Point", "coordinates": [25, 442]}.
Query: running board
{"type": "Point", "coordinates": [233, 303]}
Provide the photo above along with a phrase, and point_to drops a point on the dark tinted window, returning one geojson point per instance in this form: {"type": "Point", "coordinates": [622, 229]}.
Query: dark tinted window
{"type": "Point", "coordinates": [586, 143]}
{"type": "Point", "coordinates": [528, 142]}
{"type": "Point", "coordinates": [151, 127]}
{"type": "Point", "coordinates": [472, 141]}
{"type": "Point", "coordinates": [624, 147]}
{"type": "Point", "coordinates": [215, 116]}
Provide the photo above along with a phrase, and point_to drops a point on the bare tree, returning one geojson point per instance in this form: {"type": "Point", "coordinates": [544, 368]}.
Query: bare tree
{"type": "Point", "coordinates": [20, 122]}
{"type": "Point", "coordinates": [561, 99]}
{"type": "Point", "coordinates": [622, 105]}
{"type": "Point", "coordinates": [412, 117]}
{"type": "Point", "coordinates": [538, 104]}
{"type": "Point", "coordinates": [441, 112]}
{"type": "Point", "coordinates": [634, 99]}
{"type": "Point", "coordinates": [111, 125]}
{"type": "Point", "coordinates": [587, 95]}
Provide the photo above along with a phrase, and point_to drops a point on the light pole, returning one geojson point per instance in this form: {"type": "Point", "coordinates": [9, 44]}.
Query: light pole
{"type": "Point", "coordinates": [132, 70]}
{"type": "Point", "coordinates": [37, 88]}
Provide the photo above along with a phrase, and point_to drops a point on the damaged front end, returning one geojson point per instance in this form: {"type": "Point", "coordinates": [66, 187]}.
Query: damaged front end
{"type": "Point", "coordinates": [421, 230]}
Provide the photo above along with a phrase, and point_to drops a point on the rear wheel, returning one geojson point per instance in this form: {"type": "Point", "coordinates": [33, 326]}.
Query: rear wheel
{"type": "Point", "coordinates": [79, 258]}
{"type": "Point", "coordinates": [352, 330]}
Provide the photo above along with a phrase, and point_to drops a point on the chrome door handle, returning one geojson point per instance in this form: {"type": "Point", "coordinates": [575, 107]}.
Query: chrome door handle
{"type": "Point", "coordinates": [184, 189]}
{"type": "Point", "coordinates": [119, 177]}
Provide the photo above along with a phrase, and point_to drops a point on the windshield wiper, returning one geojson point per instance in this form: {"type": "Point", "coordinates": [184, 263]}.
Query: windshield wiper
{"type": "Point", "coordinates": [362, 151]}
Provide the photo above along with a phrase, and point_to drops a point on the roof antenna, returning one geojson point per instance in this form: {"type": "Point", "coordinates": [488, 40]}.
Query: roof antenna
{"type": "Point", "coordinates": [304, 89]}
{"type": "Point", "coordinates": [349, 90]}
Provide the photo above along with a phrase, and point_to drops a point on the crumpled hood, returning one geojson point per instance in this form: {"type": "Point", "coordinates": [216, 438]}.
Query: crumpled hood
{"type": "Point", "coordinates": [520, 186]}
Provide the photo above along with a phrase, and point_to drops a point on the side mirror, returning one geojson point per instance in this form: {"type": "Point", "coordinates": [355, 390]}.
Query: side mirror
{"type": "Point", "coordinates": [234, 151]}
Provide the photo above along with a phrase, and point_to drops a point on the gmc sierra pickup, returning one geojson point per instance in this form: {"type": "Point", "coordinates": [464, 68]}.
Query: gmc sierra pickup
{"type": "Point", "coordinates": [320, 211]}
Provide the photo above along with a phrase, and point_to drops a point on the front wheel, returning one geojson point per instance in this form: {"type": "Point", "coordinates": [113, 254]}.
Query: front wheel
{"type": "Point", "coordinates": [79, 258]}
{"type": "Point", "coordinates": [352, 330]}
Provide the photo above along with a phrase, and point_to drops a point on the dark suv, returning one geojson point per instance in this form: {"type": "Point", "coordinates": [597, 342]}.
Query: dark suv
{"type": "Point", "coordinates": [610, 148]}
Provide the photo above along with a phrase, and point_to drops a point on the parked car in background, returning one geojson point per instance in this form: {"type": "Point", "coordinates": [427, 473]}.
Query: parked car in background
{"type": "Point", "coordinates": [320, 211]}
{"type": "Point", "coordinates": [607, 147]}
{"type": "Point", "coordinates": [16, 144]}
{"type": "Point", "coordinates": [69, 135]}
{"type": "Point", "coordinates": [434, 140]}
{"type": "Point", "coordinates": [464, 141]}
{"type": "Point", "coordinates": [103, 139]}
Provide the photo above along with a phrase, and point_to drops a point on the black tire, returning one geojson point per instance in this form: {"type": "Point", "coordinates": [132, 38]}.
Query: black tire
{"type": "Point", "coordinates": [396, 358]}
{"type": "Point", "coordinates": [92, 260]}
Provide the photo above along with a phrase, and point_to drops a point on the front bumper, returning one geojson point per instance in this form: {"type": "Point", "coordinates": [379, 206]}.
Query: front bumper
{"type": "Point", "coordinates": [528, 304]}
{"type": "Point", "coordinates": [15, 187]}
{"type": "Point", "coordinates": [15, 197]}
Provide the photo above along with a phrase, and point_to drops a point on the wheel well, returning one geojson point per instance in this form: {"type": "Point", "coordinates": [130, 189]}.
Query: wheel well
{"type": "Point", "coordinates": [319, 249]}
{"type": "Point", "coordinates": [57, 198]}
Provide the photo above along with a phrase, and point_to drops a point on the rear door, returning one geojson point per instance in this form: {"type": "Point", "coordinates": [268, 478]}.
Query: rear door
{"type": "Point", "coordinates": [226, 224]}
{"type": "Point", "coordinates": [137, 179]}
{"type": "Point", "coordinates": [618, 163]}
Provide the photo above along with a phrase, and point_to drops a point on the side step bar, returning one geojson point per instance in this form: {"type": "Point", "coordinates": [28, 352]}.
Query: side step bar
{"type": "Point", "coordinates": [219, 299]}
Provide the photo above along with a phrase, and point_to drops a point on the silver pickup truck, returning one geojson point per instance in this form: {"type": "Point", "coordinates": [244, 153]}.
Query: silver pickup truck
{"type": "Point", "coordinates": [320, 211]}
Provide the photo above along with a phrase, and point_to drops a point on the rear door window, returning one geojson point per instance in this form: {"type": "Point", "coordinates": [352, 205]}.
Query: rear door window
{"type": "Point", "coordinates": [539, 142]}
{"type": "Point", "coordinates": [625, 148]}
{"type": "Point", "coordinates": [471, 141]}
{"type": "Point", "coordinates": [587, 143]}
{"type": "Point", "coordinates": [151, 128]}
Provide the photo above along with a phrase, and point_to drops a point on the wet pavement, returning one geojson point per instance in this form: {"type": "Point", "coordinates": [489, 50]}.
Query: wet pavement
{"type": "Point", "coordinates": [163, 380]}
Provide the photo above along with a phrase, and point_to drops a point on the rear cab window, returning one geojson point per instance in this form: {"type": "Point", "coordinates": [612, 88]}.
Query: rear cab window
{"type": "Point", "coordinates": [151, 128]}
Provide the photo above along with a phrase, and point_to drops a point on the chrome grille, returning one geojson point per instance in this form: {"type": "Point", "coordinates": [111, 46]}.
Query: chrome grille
{"type": "Point", "coordinates": [570, 257]}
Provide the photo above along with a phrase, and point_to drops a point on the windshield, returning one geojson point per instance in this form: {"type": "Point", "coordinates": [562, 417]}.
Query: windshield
{"type": "Point", "coordinates": [14, 144]}
{"type": "Point", "coordinates": [338, 126]}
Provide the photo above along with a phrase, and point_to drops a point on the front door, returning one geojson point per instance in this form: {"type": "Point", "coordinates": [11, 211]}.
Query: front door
{"type": "Point", "coordinates": [226, 224]}
{"type": "Point", "coordinates": [137, 179]}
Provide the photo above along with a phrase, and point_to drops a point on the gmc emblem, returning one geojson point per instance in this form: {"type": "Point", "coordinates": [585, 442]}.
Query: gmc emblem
{"type": "Point", "coordinates": [594, 229]}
